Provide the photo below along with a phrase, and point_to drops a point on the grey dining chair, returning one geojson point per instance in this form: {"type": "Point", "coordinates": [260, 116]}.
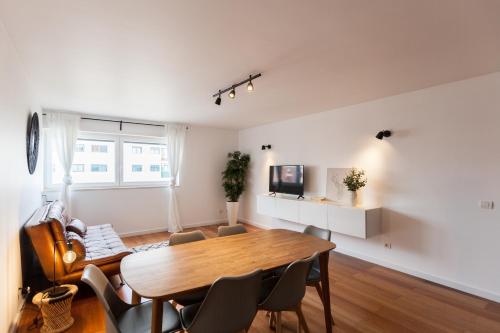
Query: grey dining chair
{"type": "Point", "coordinates": [314, 276]}
{"type": "Point", "coordinates": [223, 230]}
{"type": "Point", "coordinates": [287, 293]}
{"type": "Point", "coordinates": [186, 237]}
{"type": "Point", "coordinates": [122, 317]}
{"type": "Point", "coordinates": [182, 238]}
{"type": "Point", "coordinates": [230, 306]}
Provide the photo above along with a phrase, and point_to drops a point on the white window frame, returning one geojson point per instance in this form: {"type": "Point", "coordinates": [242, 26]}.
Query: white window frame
{"type": "Point", "coordinates": [119, 182]}
{"type": "Point", "coordinates": [140, 140]}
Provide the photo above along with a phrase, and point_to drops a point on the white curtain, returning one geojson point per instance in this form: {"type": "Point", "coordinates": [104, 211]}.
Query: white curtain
{"type": "Point", "coordinates": [63, 133]}
{"type": "Point", "coordinates": [176, 136]}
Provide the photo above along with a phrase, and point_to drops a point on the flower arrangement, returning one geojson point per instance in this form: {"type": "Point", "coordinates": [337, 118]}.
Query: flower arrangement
{"type": "Point", "coordinates": [355, 179]}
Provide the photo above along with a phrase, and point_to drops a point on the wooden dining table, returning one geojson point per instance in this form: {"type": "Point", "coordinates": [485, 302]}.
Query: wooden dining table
{"type": "Point", "coordinates": [166, 273]}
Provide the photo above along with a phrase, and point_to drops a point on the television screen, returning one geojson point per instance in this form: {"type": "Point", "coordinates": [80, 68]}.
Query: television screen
{"type": "Point", "coordinates": [287, 179]}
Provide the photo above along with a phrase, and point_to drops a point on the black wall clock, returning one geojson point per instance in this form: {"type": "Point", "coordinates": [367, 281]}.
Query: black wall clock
{"type": "Point", "coordinates": [32, 142]}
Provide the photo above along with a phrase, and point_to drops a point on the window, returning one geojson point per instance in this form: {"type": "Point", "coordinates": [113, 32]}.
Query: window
{"type": "Point", "coordinates": [136, 168]}
{"type": "Point", "coordinates": [102, 160]}
{"type": "Point", "coordinates": [93, 164]}
{"type": "Point", "coordinates": [77, 168]}
{"type": "Point", "coordinates": [152, 154]}
{"type": "Point", "coordinates": [99, 168]}
{"type": "Point", "coordinates": [99, 148]}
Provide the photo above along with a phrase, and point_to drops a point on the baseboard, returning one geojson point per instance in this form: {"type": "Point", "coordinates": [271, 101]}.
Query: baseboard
{"type": "Point", "coordinates": [259, 225]}
{"type": "Point", "coordinates": [429, 277]}
{"type": "Point", "coordinates": [163, 229]}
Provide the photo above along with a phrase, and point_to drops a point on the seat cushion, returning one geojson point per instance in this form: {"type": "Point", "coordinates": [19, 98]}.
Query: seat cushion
{"type": "Point", "coordinates": [267, 286]}
{"type": "Point", "coordinates": [138, 319]}
{"type": "Point", "coordinates": [188, 313]}
{"type": "Point", "coordinates": [314, 276]}
{"type": "Point", "coordinates": [103, 245]}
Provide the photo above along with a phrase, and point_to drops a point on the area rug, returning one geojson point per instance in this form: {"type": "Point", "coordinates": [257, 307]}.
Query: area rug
{"type": "Point", "coordinates": [147, 247]}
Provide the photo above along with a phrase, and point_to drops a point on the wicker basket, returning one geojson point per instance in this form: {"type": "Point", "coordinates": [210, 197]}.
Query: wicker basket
{"type": "Point", "coordinates": [56, 313]}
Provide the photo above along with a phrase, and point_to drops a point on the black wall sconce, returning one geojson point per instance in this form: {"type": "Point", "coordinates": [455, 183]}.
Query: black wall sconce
{"type": "Point", "coordinates": [383, 134]}
{"type": "Point", "coordinates": [264, 147]}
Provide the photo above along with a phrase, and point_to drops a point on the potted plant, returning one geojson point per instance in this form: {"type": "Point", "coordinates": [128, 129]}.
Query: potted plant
{"type": "Point", "coordinates": [233, 181]}
{"type": "Point", "coordinates": [354, 180]}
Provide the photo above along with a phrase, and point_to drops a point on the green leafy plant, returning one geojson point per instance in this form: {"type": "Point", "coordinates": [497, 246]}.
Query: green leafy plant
{"type": "Point", "coordinates": [233, 177]}
{"type": "Point", "coordinates": [354, 179]}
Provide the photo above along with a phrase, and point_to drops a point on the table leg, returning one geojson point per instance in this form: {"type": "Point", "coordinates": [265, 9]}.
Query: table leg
{"type": "Point", "coordinates": [325, 286]}
{"type": "Point", "coordinates": [157, 316]}
{"type": "Point", "coordinates": [136, 298]}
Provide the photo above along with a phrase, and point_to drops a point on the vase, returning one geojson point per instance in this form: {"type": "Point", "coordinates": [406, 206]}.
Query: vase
{"type": "Point", "coordinates": [354, 198]}
{"type": "Point", "coordinates": [232, 212]}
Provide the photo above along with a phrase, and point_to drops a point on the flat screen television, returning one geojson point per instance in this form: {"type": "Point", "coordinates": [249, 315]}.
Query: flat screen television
{"type": "Point", "coordinates": [287, 179]}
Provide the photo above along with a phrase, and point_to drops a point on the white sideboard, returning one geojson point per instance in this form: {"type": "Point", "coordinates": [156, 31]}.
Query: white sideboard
{"type": "Point", "coordinates": [353, 221]}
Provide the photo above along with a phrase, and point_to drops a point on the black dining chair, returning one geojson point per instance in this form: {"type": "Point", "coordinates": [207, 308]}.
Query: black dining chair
{"type": "Point", "coordinates": [230, 306]}
{"type": "Point", "coordinates": [287, 293]}
{"type": "Point", "coordinates": [225, 230]}
{"type": "Point", "coordinates": [122, 317]}
{"type": "Point", "coordinates": [314, 276]}
{"type": "Point", "coordinates": [183, 238]}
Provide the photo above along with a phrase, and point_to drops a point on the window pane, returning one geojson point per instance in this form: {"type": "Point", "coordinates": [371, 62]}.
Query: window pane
{"type": "Point", "coordinates": [144, 162]}
{"type": "Point", "coordinates": [93, 163]}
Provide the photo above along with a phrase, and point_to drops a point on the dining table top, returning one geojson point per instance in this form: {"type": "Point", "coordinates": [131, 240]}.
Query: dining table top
{"type": "Point", "coordinates": [176, 270]}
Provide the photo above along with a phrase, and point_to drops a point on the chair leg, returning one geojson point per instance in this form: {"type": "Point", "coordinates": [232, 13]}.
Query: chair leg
{"type": "Point", "coordinates": [302, 319]}
{"type": "Point", "coordinates": [272, 321]}
{"type": "Point", "coordinates": [320, 293]}
{"type": "Point", "coordinates": [279, 327]}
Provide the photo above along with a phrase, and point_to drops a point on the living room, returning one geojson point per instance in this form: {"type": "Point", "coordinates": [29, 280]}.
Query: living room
{"type": "Point", "coordinates": [383, 114]}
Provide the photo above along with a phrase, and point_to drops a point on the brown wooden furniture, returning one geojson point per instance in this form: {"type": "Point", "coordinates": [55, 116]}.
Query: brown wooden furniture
{"type": "Point", "coordinates": [102, 245]}
{"type": "Point", "coordinates": [169, 272]}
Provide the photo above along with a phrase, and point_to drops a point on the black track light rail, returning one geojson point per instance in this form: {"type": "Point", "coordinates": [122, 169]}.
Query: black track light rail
{"type": "Point", "coordinates": [237, 84]}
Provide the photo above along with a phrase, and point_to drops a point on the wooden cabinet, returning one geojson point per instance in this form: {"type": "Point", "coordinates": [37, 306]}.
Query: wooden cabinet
{"type": "Point", "coordinates": [353, 221]}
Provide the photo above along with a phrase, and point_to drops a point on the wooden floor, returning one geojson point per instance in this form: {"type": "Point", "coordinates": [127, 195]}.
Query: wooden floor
{"type": "Point", "coordinates": [365, 298]}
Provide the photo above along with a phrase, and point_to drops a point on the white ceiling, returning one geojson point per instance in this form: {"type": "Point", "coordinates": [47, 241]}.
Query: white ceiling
{"type": "Point", "coordinates": [162, 60]}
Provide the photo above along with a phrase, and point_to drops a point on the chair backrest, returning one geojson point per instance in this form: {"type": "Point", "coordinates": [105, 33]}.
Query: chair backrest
{"type": "Point", "coordinates": [224, 230]}
{"type": "Point", "coordinates": [186, 237]}
{"type": "Point", "coordinates": [320, 233]}
{"type": "Point", "coordinates": [291, 287]}
{"type": "Point", "coordinates": [113, 305]}
{"type": "Point", "coordinates": [230, 305]}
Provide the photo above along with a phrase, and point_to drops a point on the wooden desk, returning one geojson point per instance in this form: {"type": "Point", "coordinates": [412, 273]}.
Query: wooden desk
{"type": "Point", "coordinates": [166, 273]}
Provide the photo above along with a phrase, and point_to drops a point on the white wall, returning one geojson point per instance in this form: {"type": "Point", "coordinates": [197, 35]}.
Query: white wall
{"type": "Point", "coordinates": [200, 195]}
{"type": "Point", "coordinates": [429, 177]}
{"type": "Point", "coordinates": [20, 192]}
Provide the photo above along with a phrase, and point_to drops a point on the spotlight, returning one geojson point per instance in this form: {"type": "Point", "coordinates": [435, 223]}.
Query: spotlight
{"type": "Point", "coordinates": [264, 147]}
{"type": "Point", "coordinates": [218, 100]}
{"type": "Point", "coordinates": [383, 134]}
{"type": "Point", "coordinates": [250, 84]}
{"type": "Point", "coordinates": [232, 93]}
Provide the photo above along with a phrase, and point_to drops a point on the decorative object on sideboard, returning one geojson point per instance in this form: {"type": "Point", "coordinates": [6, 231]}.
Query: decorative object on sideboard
{"type": "Point", "coordinates": [232, 88]}
{"type": "Point", "coordinates": [32, 142]}
{"type": "Point", "coordinates": [354, 180]}
{"type": "Point", "coordinates": [233, 181]}
{"type": "Point", "coordinates": [383, 134]}
{"type": "Point", "coordinates": [264, 147]}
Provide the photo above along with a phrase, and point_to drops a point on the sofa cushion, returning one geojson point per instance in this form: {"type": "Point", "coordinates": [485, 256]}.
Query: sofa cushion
{"type": "Point", "coordinates": [77, 226]}
{"type": "Point", "coordinates": [102, 246]}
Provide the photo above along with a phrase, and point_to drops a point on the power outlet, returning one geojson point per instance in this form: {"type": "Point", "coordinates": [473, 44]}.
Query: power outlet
{"type": "Point", "coordinates": [486, 204]}
{"type": "Point", "coordinates": [388, 245]}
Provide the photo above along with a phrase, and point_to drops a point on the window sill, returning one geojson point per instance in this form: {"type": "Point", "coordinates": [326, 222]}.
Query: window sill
{"type": "Point", "coordinates": [99, 188]}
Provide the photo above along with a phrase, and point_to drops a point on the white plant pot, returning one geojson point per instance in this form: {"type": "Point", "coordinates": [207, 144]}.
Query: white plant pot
{"type": "Point", "coordinates": [232, 212]}
{"type": "Point", "coordinates": [354, 198]}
